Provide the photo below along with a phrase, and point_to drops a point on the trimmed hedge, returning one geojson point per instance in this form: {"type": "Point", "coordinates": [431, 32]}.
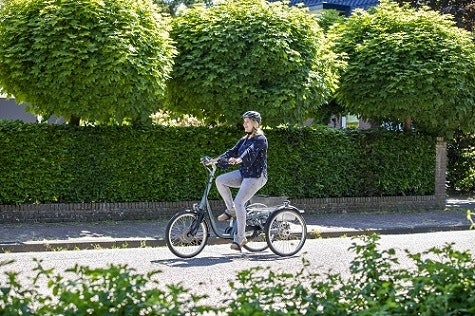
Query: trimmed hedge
{"type": "Point", "coordinates": [461, 164]}
{"type": "Point", "coordinates": [42, 163]}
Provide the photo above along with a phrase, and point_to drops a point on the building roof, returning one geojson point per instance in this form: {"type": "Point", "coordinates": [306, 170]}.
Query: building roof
{"type": "Point", "coordinates": [350, 4]}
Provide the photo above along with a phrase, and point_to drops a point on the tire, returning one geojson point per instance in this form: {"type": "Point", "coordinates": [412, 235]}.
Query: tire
{"type": "Point", "coordinates": [286, 232]}
{"type": "Point", "coordinates": [256, 237]}
{"type": "Point", "coordinates": [179, 238]}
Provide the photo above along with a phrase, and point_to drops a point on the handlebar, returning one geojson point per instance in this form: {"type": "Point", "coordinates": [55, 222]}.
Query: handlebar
{"type": "Point", "coordinates": [223, 163]}
{"type": "Point", "coordinates": [208, 161]}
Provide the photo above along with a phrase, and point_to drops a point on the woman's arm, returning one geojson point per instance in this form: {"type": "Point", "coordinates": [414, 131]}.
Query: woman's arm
{"type": "Point", "coordinates": [233, 152]}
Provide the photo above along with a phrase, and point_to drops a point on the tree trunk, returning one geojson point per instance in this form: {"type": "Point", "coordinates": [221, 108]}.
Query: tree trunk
{"type": "Point", "coordinates": [74, 120]}
{"type": "Point", "coordinates": [407, 124]}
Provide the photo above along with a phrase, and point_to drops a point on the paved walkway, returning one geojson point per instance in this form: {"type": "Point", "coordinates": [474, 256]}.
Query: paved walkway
{"type": "Point", "coordinates": [83, 235]}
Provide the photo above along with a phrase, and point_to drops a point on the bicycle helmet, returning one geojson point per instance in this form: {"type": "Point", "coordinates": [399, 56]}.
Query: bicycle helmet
{"type": "Point", "coordinates": [253, 115]}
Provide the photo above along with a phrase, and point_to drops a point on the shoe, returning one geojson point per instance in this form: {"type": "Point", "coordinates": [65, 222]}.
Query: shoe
{"type": "Point", "coordinates": [237, 246]}
{"type": "Point", "coordinates": [227, 215]}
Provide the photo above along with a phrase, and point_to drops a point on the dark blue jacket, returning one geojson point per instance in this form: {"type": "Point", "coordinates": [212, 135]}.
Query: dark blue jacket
{"type": "Point", "coordinates": [253, 152]}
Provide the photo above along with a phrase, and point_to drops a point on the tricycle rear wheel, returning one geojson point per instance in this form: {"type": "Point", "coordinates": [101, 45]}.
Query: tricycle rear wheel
{"type": "Point", "coordinates": [256, 239]}
{"type": "Point", "coordinates": [255, 235]}
{"type": "Point", "coordinates": [286, 232]}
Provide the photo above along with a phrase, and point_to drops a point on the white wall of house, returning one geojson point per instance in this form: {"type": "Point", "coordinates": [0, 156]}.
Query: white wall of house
{"type": "Point", "coordinates": [11, 110]}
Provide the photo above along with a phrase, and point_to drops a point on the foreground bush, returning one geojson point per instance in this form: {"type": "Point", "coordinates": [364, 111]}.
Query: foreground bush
{"type": "Point", "coordinates": [115, 290]}
{"type": "Point", "coordinates": [442, 282]}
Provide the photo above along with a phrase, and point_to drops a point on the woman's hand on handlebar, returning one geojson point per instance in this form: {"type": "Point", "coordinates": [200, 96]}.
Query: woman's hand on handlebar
{"type": "Point", "coordinates": [221, 161]}
{"type": "Point", "coordinates": [234, 161]}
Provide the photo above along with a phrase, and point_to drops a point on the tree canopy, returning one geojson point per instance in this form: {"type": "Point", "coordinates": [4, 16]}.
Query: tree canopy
{"type": "Point", "coordinates": [463, 11]}
{"type": "Point", "coordinates": [103, 61]}
{"type": "Point", "coordinates": [407, 63]}
{"type": "Point", "coordinates": [250, 55]}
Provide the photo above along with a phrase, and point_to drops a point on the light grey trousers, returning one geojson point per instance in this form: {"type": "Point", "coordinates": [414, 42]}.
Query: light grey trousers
{"type": "Point", "coordinates": [247, 188]}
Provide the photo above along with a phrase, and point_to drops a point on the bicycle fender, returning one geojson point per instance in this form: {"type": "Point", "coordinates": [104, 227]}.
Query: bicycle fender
{"type": "Point", "coordinates": [287, 206]}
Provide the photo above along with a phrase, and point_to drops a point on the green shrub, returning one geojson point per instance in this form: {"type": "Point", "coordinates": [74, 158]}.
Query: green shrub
{"type": "Point", "coordinates": [441, 283]}
{"type": "Point", "coordinates": [61, 163]}
{"type": "Point", "coordinates": [461, 163]}
{"type": "Point", "coordinates": [115, 290]}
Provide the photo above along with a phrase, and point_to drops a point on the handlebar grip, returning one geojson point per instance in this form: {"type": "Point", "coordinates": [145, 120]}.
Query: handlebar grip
{"type": "Point", "coordinates": [206, 160]}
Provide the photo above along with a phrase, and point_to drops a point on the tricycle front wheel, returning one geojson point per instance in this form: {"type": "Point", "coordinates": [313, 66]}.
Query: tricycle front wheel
{"type": "Point", "coordinates": [185, 236]}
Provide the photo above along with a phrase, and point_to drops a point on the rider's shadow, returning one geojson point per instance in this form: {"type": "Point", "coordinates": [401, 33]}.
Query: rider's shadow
{"type": "Point", "coordinates": [209, 261]}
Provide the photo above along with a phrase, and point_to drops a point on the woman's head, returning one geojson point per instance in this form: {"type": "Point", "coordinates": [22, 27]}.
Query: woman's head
{"type": "Point", "coordinates": [252, 121]}
{"type": "Point", "coordinates": [253, 115]}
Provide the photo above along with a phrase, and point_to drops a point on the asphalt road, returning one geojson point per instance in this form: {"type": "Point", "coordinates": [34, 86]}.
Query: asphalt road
{"type": "Point", "coordinates": [211, 270]}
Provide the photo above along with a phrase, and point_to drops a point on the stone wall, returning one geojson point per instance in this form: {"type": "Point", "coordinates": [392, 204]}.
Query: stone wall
{"type": "Point", "coordinates": [91, 212]}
